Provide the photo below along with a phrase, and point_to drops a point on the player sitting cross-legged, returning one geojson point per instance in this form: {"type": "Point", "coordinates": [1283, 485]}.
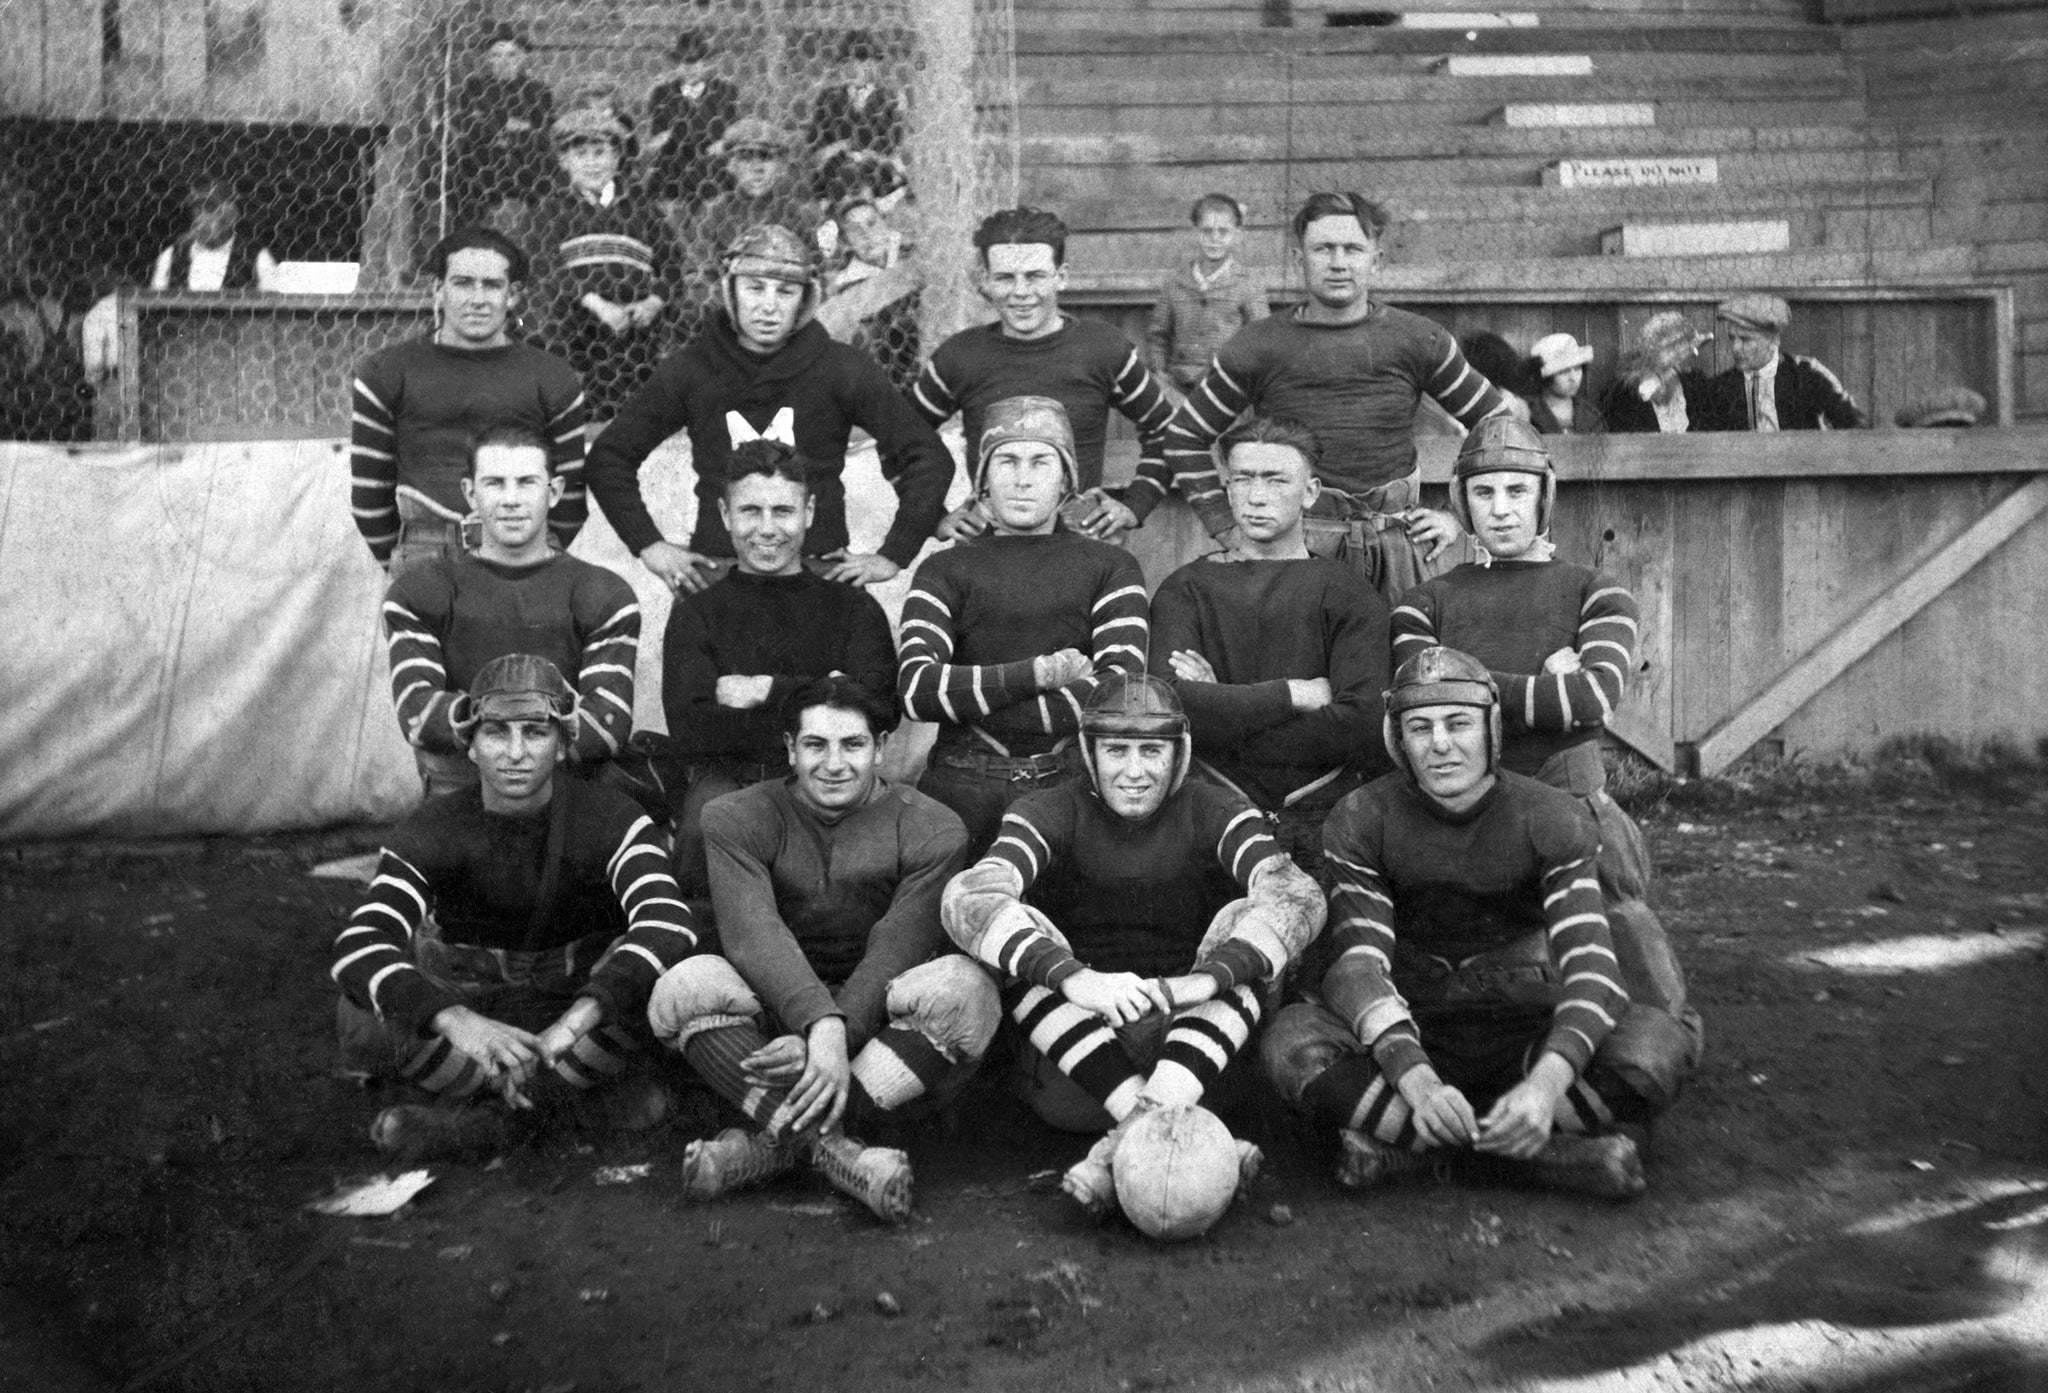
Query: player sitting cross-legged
{"type": "Point", "coordinates": [512, 933]}
{"type": "Point", "coordinates": [1474, 988]}
{"type": "Point", "coordinates": [833, 998]}
{"type": "Point", "coordinates": [1135, 919]}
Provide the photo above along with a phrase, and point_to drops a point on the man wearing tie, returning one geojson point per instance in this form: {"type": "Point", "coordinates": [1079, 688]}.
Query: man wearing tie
{"type": "Point", "coordinates": [1779, 391]}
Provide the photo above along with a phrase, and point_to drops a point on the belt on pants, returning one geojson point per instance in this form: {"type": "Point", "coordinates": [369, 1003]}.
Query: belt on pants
{"type": "Point", "coordinates": [1017, 768]}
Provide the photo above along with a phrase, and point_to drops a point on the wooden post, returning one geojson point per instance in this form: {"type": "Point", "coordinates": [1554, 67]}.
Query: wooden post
{"type": "Point", "coordinates": [940, 154]}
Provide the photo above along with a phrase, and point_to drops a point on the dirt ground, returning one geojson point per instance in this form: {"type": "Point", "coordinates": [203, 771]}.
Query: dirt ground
{"type": "Point", "coordinates": [1853, 1192]}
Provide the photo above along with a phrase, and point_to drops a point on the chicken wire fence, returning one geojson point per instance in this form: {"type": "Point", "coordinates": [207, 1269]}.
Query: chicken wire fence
{"type": "Point", "coordinates": [228, 154]}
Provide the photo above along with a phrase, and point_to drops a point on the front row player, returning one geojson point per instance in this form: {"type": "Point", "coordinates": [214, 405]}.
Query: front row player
{"type": "Point", "coordinates": [512, 933]}
{"type": "Point", "coordinates": [1137, 918]}
{"type": "Point", "coordinates": [1474, 980]}
{"type": "Point", "coordinates": [831, 999]}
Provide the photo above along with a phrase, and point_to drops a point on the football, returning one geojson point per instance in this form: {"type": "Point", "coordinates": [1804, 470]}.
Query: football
{"type": "Point", "coordinates": [1176, 1170]}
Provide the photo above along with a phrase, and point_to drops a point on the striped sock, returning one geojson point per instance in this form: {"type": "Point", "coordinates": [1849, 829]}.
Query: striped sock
{"type": "Point", "coordinates": [1200, 1043]}
{"type": "Point", "coordinates": [1352, 1095]}
{"type": "Point", "coordinates": [1081, 1046]}
{"type": "Point", "coordinates": [897, 1066]}
{"type": "Point", "coordinates": [597, 1058]}
{"type": "Point", "coordinates": [716, 1055]}
{"type": "Point", "coordinates": [442, 1070]}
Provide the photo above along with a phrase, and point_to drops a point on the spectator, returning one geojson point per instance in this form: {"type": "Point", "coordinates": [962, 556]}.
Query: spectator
{"type": "Point", "coordinates": [500, 125]}
{"type": "Point", "coordinates": [1660, 387]}
{"type": "Point", "coordinates": [735, 650]}
{"type": "Point", "coordinates": [44, 394]}
{"type": "Point", "coordinates": [1557, 407]}
{"type": "Point", "coordinates": [1768, 390]}
{"type": "Point", "coordinates": [856, 126]}
{"type": "Point", "coordinates": [762, 192]}
{"type": "Point", "coordinates": [871, 300]}
{"type": "Point", "coordinates": [1951, 406]}
{"type": "Point", "coordinates": [687, 113]}
{"type": "Point", "coordinates": [609, 266]}
{"type": "Point", "coordinates": [418, 406]}
{"type": "Point", "coordinates": [1354, 372]}
{"type": "Point", "coordinates": [762, 367]}
{"type": "Point", "coordinates": [215, 252]}
{"type": "Point", "coordinates": [1085, 365]}
{"type": "Point", "coordinates": [1207, 300]}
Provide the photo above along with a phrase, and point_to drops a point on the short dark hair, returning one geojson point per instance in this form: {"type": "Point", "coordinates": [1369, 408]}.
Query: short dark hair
{"type": "Point", "coordinates": [1217, 203]}
{"type": "Point", "coordinates": [509, 438]}
{"type": "Point", "coordinates": [475, 237]}
{"type": "Point", "coordinates": [1371, 216]}
{"type": "Point", "coordinates": [1271, 430]}
{"type": "Point", "coordinates": [843, 694]}
{"type": "Point", "coordinates": [771, 459]}
{"type": "Point", "coordinates": [1022, 227]}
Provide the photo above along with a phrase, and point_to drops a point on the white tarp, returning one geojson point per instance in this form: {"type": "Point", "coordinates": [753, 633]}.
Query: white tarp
{"type": "Point", "coordinates": [194, 644]}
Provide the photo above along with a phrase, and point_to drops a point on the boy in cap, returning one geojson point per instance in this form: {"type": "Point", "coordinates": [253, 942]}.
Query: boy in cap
{"type": "Point", "coordinates": [1770, 390]}
{"type": "Point", "coordinates": [1660, 387]}
{"type": "Point", "coordinates": [511, 935]}
{"type": "Point", "coordinates": [1004, 637]}
{"type": "Point", "coordinates": [607, 263]}
{"type": "Point", "coordinates": [764, 368]}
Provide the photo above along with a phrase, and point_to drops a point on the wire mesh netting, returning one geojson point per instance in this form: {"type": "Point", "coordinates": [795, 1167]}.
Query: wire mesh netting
{"type": "Point", "coordinates": [230, 154]}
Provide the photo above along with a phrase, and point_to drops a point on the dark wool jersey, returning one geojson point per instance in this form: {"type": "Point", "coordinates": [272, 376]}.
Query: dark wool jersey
{"type": "Point", "coordinates": [1357, 386]}
{"type": "Point", "coordinates": [980, 611]}
{"type": "Point", "coordinates": [448, 616]}
{"type": "Point", "coordinates": [418, 404]}
{"type": "Point", "coordinates": [1131, 896]}
{"type": "Point", "coordinates": [480, 873]}
{"type": "Point", "coordinates": [1260, 623]}
{"type": "Point", "coordinates": [1085, 365]}
{"type": "Point", "coordinates": [1511, 615]}
{"type": "Point", "coordinates": [1417, 882]}
{"type": "Point", "coordinates": [786, 627]}
{"type": "Point", "coordinates": [829, 387]}
{"type": "Point", "coordinates": [820, 915]}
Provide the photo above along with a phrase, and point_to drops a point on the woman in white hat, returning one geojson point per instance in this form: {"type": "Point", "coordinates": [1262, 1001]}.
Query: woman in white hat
{"type": "Point", "coordinates": [1558, 363]}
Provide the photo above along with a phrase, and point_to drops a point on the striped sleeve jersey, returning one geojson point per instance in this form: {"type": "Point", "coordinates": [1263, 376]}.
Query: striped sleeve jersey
{"type": "Point", "coordinates": [979, 612]}
{"type": "Point", "coordinates": [1420, 890]}
{"type": "Point", "coordinates": [1088, 366]}
{"type": "Point", "coordinates": [1511, 615]}
{"type": "Point", "coordinates": [415, 408]}
{"type": "Point", "coordinates": [479, 874]}
{"type": "Point", "coordinates": [448, 617]}
{"type": "Point", "coordinates": [1128, 896]}
{"type": "Point", "coordinates": [1357, 386]}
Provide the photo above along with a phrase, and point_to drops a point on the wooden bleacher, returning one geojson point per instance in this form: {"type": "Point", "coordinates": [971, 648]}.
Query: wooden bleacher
{"type": "Point", "coordinates": [1128, 113]}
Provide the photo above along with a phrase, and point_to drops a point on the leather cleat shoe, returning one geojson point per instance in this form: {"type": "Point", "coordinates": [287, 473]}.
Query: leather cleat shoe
{"type": "Point", "coordinates": [1608, 1166]}
{"type": "Point", "coordinates": [878, 1176]}
{"type": "Point", "coordinates": [432, 1132]}
{"type": "Point", "coordinates": [1367, 1161]}
{"type": "Point", "coordinates": [732, 1160]}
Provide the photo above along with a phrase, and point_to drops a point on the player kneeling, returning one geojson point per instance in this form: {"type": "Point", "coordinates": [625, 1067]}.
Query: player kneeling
{"type": "Point", "coordinates": [1474, 981]}
{"type": "Point", "coordinates": [831, 999]}
{"type": "Point", "coordinates": [1137, 918]}
{"type": "Point", "coordinates": [511, 934]}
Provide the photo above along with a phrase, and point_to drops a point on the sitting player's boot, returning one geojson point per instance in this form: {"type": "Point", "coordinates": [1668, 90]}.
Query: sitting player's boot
{"type": "Point", "coordinates": [1091, 1181]}
{"type": "Point", "coordinates": [1367, 1160]}
{"type": "Point", "coordinates": [877, 1176]}
{"type": "Point", "coordinates": [732, 1160]}
{"type": "Point", "coordinates": [1608, 1166]}
{"type": "Point", "coordinates": [437, 1132]}
{"type": "Point", "coordinates": [1249, 1159]}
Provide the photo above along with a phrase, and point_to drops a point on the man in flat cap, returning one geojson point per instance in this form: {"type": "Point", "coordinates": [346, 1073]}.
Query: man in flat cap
{"type": "Point", "coordinates": [1769, 390]}
{"type": "Point", "coordinates": [1946, 406]}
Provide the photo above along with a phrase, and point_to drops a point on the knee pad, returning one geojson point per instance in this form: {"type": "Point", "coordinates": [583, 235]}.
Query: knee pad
{"type": "Point", "coordinates": [1652, 1051]}
{"type": "Point", "coordinates": [697, 994]}
{"type": "Point", "coordinates": [951, 1001]}
{"type": "Point", "coordinates": [1301, 1043]}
